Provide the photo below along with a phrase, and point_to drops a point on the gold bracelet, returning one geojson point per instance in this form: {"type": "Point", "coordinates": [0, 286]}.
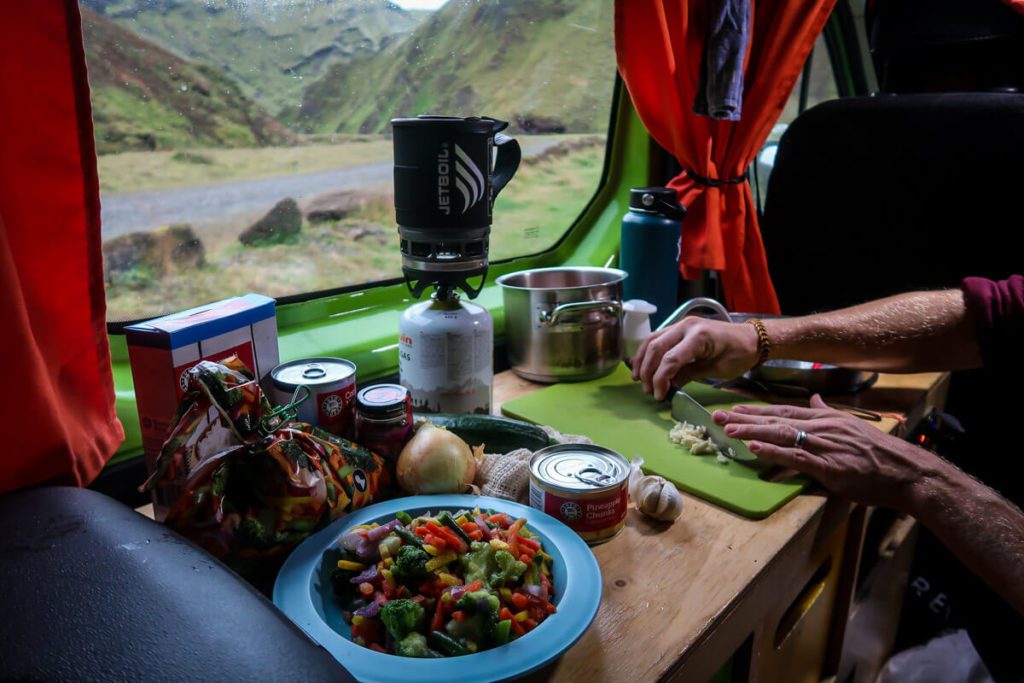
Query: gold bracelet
{"type": "Point", "coordinates": [764, 344]}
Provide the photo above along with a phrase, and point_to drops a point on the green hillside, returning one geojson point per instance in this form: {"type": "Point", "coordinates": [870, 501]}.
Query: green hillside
{"type": "Point", "coordinates": [546, 65]}
{"type": "Point", "coordinates": [274, 48]}
{"type": "Point", "coordinates": [145, 98]}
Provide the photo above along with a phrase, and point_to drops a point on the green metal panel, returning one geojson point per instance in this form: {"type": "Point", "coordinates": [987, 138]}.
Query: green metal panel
{"type": "Point", "coordinates": [362, 325]}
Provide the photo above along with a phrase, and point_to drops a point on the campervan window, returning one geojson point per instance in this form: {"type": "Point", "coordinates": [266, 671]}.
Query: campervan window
{"type": "Point", "coordinates": [244, 144]}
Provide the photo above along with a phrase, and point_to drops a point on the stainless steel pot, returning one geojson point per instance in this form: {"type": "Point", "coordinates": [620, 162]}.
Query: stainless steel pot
{"type": "Point", "coordinates": [563, 324]}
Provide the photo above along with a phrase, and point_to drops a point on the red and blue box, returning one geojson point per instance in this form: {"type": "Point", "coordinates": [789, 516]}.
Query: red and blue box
{"type": "Point", "coordinates": [162, 349]}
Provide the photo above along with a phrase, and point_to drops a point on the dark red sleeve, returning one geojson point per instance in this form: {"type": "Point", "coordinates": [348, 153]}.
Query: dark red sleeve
{"type": "Point", "coordinates": [998, 312]}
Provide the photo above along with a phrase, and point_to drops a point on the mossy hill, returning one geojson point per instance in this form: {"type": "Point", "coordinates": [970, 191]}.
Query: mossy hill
{"type": "Point", "coordinates": [146, 98]}
{"type": "Point", "coordinates": [545, 65]}
{"type": "Point", "coordinates": [273, 48]}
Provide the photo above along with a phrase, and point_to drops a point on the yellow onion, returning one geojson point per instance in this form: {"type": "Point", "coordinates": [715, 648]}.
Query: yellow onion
{"type": "Point", "coordinates": [435, 461]}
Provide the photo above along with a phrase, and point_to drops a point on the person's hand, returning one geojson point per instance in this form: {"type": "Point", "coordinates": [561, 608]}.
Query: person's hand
{"type": "Point", "coordinates": [848, 456]}
{"type": "Point", "coordinates": [694, 347]}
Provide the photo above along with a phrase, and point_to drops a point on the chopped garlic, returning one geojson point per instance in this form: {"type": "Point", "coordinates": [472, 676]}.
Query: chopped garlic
{"type": "Point", "coordinates": [693, 438]}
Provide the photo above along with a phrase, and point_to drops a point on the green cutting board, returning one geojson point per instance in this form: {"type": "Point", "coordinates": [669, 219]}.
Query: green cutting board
{"type": "Point", "coordinates": [615, 412]}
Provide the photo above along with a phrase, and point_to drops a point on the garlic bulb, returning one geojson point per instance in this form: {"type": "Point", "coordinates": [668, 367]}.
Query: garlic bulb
{"type": "Point", "coordinates": [653, 495]}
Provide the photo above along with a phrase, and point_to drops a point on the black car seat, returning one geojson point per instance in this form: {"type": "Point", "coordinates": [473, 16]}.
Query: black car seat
{"type": "Point", "coordinates": [93, 591]}
{"type": "Point", "coordinates": [873, 196]}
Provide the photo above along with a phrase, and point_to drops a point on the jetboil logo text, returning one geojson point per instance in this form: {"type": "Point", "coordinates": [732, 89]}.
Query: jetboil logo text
{"type": "Point", "coordinates": [469, 181]}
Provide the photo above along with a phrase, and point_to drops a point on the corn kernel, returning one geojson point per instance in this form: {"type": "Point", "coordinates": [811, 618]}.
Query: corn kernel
{"type": "Point", "coordinates": [431, 549]}
{"type": "Point", "coordinates": [461, 520]}
{"type": "Point", "coordinates": [506, 594]}
{"type": "Point", "coordinates": [471, 646]}
{"type": "Point", "coordinates": [357, 620]}
{"type": "Point", "coordinates": [522, 616]}
{"type": "Point", "coordinates": [499, 545]}
{"type": "Point", "coordinates": [388, 562]}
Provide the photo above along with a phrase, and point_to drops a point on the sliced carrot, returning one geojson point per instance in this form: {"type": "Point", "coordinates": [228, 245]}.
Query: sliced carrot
{"type": "Point", "coordinates": [525, 558]}
{"type": "Point", "coordinates": [476, 535]}
{"type": "Point", "coordinates": [422, 531]}
{"type": "Point", "coordinates": [469, 527]}
{"type": "Point", "coordinates": [436, 541]}
{"type": "Point", "coordinates": [529, 624]}
{"type": "Point", "coordinates": [475, 586]}
{"type": "Point", "coordinates": [550, 607]}
{"type": "Point", "coordinates": [437, 623]}
{"type": "Point", "coordinates": [517, 628]}
{"type": "Point", "coordinates": [505, 613]}
{"type": "Point", "coordinates": [513, 546]}
{"type": "Point", "coordinates": [459, 615]}
{"type": "Point", "coordinates": [498, 519]}
{"type": "Point", "coordinates": [529, 543]}
{"type": "Point", "coordinates": [519, 601]}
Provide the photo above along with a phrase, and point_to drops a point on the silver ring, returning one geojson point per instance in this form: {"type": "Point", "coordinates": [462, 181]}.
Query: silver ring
{"type": "Point", "coordinates": [801, 436]}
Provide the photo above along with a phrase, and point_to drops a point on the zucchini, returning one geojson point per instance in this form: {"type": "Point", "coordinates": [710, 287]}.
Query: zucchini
{"type": "Point", "coordinates": [498, 434]}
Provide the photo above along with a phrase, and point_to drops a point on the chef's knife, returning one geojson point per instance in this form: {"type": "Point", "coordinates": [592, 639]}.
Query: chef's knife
{"type": "Point", "coordinates": [685, 408]}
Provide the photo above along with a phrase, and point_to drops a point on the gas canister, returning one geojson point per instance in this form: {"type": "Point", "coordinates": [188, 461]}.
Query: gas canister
{"type": "Point", "coordinates": [446, 350]}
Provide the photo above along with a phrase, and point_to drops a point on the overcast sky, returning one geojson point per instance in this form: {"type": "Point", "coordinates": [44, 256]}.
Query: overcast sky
{"type": "Point", "coordinates": [420, 4]}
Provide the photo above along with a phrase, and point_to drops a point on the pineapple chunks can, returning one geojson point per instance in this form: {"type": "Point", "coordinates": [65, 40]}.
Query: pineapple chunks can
{"type": "Point", "coordinates": [583, 486]}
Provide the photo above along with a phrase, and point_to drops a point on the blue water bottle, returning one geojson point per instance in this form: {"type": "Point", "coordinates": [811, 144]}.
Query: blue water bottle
{"type": "Point", "coordinates": [651, 239]}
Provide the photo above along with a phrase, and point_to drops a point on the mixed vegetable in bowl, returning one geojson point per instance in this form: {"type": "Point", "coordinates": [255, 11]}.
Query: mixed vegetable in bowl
{"type": "Point", "coordinates": [443, 585]}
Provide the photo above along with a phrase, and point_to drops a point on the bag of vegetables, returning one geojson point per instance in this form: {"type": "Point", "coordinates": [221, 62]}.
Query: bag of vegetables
{"type": "Point", "coordinates": [254, 500]}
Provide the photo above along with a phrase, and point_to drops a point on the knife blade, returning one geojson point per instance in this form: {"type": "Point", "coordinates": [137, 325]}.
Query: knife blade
{"type": "Point", "coordinates": [685, 408]}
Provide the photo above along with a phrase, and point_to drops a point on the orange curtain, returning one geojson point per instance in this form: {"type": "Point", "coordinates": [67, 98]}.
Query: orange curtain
{"type": "Point", "coordinates": [58, 393]}
{"type": "Point", "coordinates": [658, 44]}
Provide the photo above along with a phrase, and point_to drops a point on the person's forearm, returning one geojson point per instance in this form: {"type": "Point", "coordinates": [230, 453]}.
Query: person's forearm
{"type": "Point", "coordinates": [914, 332]}
{"type": "Point", "coordinates": [983, 529]}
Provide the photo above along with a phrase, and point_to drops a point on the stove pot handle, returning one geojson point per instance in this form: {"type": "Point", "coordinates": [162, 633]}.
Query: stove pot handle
{"type": "Point", "coordinates": [551, 317]}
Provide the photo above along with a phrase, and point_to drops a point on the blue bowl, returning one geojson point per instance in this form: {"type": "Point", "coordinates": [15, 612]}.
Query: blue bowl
{"type": "Point", "coordinates": [303, 591]}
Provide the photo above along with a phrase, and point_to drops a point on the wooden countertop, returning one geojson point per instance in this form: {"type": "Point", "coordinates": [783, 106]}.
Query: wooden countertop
{"type": "Point", "coordinates": [680, 598]}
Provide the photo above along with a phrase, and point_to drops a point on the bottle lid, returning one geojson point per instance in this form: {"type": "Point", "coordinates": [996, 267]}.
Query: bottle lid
{"type": "Point", "coordinates": [382, 399]}
{"type": "Point", "coordinates": [657, 200]}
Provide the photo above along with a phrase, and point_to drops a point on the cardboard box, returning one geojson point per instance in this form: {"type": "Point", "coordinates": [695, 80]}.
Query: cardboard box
{"type": "Point", "coordinates": [161, 350]}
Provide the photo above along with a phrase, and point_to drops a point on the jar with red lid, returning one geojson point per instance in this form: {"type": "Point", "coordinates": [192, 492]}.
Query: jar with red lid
{"type": "Point", "coordinates": [384, 419]}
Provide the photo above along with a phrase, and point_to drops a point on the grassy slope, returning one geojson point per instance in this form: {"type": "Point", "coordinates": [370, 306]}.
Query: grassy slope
{"type": "Point", "coordinates": [274, 49]}
{"type": "Point", "coordinates": [533, 212]}
{"type": "Point", "coordinates": [144, 97]}
{"type": "Point", "coordinates": [551, 58]}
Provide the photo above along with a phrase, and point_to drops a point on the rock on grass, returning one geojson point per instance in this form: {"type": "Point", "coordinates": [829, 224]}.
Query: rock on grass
{"type": "Point", "coordinates": [281, 224]}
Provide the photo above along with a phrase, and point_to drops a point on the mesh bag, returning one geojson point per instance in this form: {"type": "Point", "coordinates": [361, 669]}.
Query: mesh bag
{"type": "Point", "coordinates": [507, 475]}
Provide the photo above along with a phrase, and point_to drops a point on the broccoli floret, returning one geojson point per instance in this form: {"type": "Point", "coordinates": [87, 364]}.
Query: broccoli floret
{"type": "Point", "coordinates": [483, 607]}
{"type": "Point", "coordinates": [410, 564]}
{"type": "Point", "coordinates": [477, 628]}
{"type": "Point", "coordinates": [414, 645]}
{"type": "Point", "coordinates": [253, 532]}
{"type": "Point", "coordinates": [401, 617]}
{"type": "Point", "coordinates": [482, 601]}
{"type": "Point", "coordinates": [509, 568]}
{"type": "Point", "coordinates": [478, 563]}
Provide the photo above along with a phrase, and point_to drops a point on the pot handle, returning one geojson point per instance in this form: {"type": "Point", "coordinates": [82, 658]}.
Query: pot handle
{"type": "Point", "coordinates": [551, 317]}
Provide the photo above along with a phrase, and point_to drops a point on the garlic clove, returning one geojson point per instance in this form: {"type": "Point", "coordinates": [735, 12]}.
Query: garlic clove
{"type": "Point", "coordinates": [658, 498]}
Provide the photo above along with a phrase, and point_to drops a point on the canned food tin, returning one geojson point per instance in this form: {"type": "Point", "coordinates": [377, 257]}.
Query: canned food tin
{"type": "Point", "coordinates": [583, 486]}
{"type": "Point", "coordinates": [332, 390]}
